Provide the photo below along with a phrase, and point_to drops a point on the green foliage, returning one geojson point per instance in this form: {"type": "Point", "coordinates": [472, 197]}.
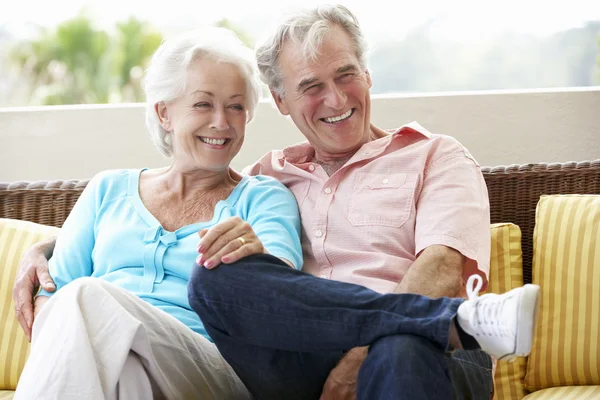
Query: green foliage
{"type": "Point", "coordinates": [135, 45]}
{"type": "Point", "coordinates": [77, 63]}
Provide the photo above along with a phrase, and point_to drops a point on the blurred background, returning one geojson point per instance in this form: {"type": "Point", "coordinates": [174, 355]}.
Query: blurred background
{"type": "Point", "coordinates": [81, 52]}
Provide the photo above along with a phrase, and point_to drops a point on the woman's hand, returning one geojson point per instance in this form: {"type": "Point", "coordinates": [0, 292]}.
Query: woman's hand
{"type": "Point", "coordinates": [32, 273]}
{"type": "Point", "coordinates": [227, 242]}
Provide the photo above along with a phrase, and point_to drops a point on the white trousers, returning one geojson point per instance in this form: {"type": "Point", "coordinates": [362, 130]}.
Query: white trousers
{"type": "Point", "coordinates": [94, 340]}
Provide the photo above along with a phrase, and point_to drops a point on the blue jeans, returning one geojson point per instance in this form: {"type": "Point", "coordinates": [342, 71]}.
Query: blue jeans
{"type": "Point", "coordinates": [283, 331]}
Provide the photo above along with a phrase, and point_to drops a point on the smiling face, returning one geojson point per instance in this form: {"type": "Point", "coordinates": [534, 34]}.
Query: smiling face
{"type": "Point", "coordinates": [207, 123]}
{"type": "Point", "coordinates": [328, 99]}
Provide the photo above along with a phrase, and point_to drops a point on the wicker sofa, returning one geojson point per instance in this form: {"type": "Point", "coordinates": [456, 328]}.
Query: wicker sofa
{"type": "Point", "coordinates": [514, 192]}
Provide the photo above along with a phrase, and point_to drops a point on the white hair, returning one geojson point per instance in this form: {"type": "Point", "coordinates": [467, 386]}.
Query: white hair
{"type": "Point", "coordinates": [307, 28]}
{"type": "Point", "coordinates": [166, 77]}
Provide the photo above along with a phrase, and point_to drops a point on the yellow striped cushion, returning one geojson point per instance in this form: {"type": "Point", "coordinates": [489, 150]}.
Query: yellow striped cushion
{"type": "Point", "coordinates": [566, 264]}
{"type": "Point", "coordinates": [15, 237]}
{"type": "Point", "coordinates": [567, 393]}
{"type": "Point", "coordinates": [506, 273]}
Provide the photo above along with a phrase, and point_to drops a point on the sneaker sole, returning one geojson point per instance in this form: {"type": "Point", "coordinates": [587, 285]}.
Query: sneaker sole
{"type": "Point", "coordinates": [526, 317]}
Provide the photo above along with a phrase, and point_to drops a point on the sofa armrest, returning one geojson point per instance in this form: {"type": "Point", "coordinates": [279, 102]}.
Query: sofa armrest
{"type": "Point", "coordinates": [43, 202]}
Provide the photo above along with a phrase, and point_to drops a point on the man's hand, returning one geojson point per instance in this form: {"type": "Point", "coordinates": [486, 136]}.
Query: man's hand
{"type": "Point", "coordinates": [32, 273]}
{"type": "Point", "coordinates": [341, 382]}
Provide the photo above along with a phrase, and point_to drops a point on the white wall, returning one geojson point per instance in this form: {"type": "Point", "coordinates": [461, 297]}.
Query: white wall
{"type": "Point", "coordinates": [499, 128]}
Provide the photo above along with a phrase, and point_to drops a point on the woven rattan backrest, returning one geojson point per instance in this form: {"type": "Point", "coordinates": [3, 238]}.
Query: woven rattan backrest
{"type": "Point", "coordinates": [47, 203]}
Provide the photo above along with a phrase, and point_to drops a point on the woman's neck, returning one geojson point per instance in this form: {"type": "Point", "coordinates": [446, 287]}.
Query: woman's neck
{"type": "Point", "coordinates": [186, 183]}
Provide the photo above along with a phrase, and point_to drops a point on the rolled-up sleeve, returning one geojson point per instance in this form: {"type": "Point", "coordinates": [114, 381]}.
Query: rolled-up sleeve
{"type": "Point", "coordinates": [453, 208]}
{"type": "Point", "coordinates": [72, 257]}
{"type": "Point", "coordinates": [275, 219]}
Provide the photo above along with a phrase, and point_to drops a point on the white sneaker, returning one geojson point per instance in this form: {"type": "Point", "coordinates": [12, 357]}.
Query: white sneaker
{"type": "Point", "coordinates": [502, 324]}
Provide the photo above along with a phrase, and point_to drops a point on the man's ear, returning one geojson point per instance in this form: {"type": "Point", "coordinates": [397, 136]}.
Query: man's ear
{"type": "Point", "coordinates": [369, 81]}
{"type": "Point", "coordinates": [280, 102]}
{"type": "Point", "coordinates": [162, 112]}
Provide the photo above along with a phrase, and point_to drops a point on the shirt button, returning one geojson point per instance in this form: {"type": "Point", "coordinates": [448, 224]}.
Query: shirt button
{"type": "Point", "coordinates": [319, 233]}
{"type": "Point", "coordinates": [311, 168]}
{"type": "Point", "coordinates": [385, 181]}
{"type": "Point", "coordinates": [327, 190]}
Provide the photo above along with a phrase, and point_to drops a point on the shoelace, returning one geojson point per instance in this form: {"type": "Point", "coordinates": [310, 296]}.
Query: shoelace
{"type": "Point", "coordinates": [472, 293]}
{"type": "Point", "coordinates": [487, 313]}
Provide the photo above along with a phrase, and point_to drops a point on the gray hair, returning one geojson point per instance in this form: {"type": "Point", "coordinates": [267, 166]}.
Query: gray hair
{"type": "Point", "coordinates": [166, 77]}
{"type": "Point", "coordinates": [307, 28]}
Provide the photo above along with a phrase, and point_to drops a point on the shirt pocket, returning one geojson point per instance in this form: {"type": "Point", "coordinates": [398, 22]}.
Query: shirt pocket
{"type": "Point", "coordinates": [382, 199]}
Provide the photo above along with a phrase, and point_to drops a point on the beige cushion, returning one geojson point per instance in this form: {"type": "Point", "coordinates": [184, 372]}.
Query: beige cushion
{"type": "Point", "coordinates": [6, 394]}
{"type": "Point", "coordinates": [506, 273]}
{"type": "Point", "coordinates": [566, 393]}
{"type": "Point", "coordinates": [566, 264]}
{"type": "Point", "coordinates": [15, 237]}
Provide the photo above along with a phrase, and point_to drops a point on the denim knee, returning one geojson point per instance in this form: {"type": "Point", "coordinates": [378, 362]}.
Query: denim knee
{"type": "Point", "coordinates": [405, 349]}
{"type": "Point", "coordinates": [199, 278]}
{"type": "Point", "coordinates": [207, 283]}
{"type": "Point", "coordinates": [404, 367]}
{"type": "Point", "coordinates": [204, 280]}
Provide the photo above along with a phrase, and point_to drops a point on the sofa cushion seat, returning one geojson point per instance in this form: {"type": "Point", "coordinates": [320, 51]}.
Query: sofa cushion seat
{"type": "Point", "coordinates": [566, 393]}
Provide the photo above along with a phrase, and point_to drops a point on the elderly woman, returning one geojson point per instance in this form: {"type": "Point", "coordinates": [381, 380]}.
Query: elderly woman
{"type": "Point", "coordinates": [119, 324]}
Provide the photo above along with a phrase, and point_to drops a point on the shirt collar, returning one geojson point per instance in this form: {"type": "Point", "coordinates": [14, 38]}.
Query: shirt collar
{"type": "Point", "coordinates": [303, 152]}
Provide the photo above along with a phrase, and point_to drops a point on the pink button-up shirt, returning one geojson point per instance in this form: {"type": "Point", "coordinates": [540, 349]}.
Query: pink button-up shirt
{"type": "Point", "coordinates": [367, 222]}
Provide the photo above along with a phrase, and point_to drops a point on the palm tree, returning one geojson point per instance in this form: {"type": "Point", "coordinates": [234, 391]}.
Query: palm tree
{"type": "Point", "coordinates": [136, 42]}
{"type": "Point", "coordinates": [78, 64]}
{"type": "Point", "coordinates": [67, 66]}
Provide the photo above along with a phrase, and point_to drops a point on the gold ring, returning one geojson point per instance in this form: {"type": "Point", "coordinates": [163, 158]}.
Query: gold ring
{"type": "Point", "coordinates": [242, 240]}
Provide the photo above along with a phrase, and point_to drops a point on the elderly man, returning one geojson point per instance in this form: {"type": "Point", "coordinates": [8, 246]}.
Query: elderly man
{"type": "Point", "coordinates": [402, 211]}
